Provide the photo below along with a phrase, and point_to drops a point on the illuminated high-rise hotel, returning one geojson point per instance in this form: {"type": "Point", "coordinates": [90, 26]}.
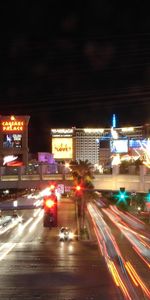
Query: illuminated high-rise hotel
{"type": "Point", "coordinates": [92, 144]}
{"type": "Point", "coordinates": [75, 144]}
{"type": "Point", "coordinates": [86, 144]}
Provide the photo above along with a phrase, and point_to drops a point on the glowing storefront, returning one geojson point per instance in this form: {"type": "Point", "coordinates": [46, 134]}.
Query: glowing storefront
{"type": "Point", "coordinates": [14, 140]}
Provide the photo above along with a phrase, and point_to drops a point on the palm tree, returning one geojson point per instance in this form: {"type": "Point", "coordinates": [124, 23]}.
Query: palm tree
{"type": "Point", "coordinates": [82, 172]}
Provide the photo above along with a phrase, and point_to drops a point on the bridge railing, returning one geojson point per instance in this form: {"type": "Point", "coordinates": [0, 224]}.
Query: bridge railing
{"type": "Point", "coordinates": [48, 169]}
{"type": "Point", "coordinates": [112, 181]}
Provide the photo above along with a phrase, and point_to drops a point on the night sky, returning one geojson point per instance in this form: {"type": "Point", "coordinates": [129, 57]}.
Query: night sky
{"type": "Point", "coordinates": [74, 63]}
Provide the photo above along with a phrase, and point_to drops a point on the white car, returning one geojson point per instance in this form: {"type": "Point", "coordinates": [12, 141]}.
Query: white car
{"type": "Point", "coordinates": [65, 234]}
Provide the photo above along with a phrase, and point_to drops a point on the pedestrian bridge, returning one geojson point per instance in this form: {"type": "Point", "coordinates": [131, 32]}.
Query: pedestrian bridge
{"type": "Point", "coordinates": [139, 183]}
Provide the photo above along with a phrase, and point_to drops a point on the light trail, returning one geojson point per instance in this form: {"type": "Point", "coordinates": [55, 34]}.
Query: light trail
{"type": "Point", "coordinates": [23, 226]}
{"type": "Point", "coordinates": [138, 279]}
{"type": "Point", "coordinates": [132, 221]}
{"type": "Point", "coordinates": [112, 254]}
{"type": "Point", "coordinates": [36, 221]}
{"type": "Point", "coordinates": [36, 212]}
{"type": "Point", "coordinates": [139, 246]}
{"type": "Point", "coordinates": [11, 244]}
{"type": "Point", "coordinates": [142, 248]}
{"type": "Point", "coordinates": [145, 261]}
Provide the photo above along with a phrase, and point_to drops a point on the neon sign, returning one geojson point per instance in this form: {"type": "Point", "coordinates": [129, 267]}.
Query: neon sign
{"type": "Point", "coordinates": [12, 125]}
{"type": "Point", "coordinates": [62, 132]}
{"type": "Point", "coordinates": [9, 158]}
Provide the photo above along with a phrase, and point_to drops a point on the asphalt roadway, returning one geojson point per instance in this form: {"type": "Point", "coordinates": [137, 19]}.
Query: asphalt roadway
{"type": "Point", "coordinates": [34, 264]}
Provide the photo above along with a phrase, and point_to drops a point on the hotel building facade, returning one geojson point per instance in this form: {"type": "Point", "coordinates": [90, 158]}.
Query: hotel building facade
{"type": "Point", "coordinates": [92, 144]}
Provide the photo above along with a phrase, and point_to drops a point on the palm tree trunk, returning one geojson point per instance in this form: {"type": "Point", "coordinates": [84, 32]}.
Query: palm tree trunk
{"type": "Point", "coordinates": [82, 213]}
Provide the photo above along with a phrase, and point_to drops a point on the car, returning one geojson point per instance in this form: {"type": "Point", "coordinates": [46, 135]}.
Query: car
{"type": "Point", "coordinates": [16, 217]}
{"type": "Point", "coordinates": [5, 221]}
{"type": "Point", "coordinates": [65, 234]}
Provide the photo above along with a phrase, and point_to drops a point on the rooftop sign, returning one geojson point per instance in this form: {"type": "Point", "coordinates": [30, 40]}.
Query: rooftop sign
{"type": "Point", "coordinates": [93, 130]}
{"type": "Point", "coordinates": [12, 125]}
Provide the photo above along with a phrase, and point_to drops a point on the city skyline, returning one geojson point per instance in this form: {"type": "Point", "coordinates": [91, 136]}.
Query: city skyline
{"type": "Point", "coordinates": [39, 137]}
{"type": "Point", "coordinates": [46, 137]}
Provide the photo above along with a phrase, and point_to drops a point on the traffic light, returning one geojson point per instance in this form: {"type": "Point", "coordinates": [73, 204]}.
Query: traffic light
{"type": "Point", "coordinates": [49, 203]}
{"type": "Point", "coordinates": [50, 210]}
{"type": "Point", "coordinates": [52, 187]}
{"type": "Point", "coordinates": [148, 196]}
{"type": "Point", "coordinates": [78, 188]}
{"type": "Point", "coordinates": [122, 196]}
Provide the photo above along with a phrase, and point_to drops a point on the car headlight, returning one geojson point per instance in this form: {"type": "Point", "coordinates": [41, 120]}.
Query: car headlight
{"type": "Point", "coordinates": [20, 219]}
{"type": "Point", "coordinates": [61, 235]}
{"type": "Point", "coordinates": [71, 235]}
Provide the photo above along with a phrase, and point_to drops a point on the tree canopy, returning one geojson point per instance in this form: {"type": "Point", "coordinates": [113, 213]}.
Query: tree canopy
{"type": "Point", "coordinates": [82, 172]}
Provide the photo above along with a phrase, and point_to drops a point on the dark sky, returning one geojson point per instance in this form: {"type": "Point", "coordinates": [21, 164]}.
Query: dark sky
{"type": "Point", "coordinates": [74, 63]}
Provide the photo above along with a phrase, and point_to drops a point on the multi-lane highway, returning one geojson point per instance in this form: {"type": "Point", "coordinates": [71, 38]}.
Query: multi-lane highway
{"type": "Point", "coordinates": [34, 264]}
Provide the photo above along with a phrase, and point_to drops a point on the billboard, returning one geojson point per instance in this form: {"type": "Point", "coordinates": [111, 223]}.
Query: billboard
{"type": "Point", "coordinates": [119, 146]}
{"type": "Point", "coordinates": [62, 148]}
{"type": "Point", "coordinates": [137, 143]}
{"type": "Point", "coordinates": [12, 140]}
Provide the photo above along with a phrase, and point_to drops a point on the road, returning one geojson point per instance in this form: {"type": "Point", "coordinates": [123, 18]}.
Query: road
{"type": "Point", "coordinates": [34, 264]}
{"type": "Point", "coordinates": [125, 243]}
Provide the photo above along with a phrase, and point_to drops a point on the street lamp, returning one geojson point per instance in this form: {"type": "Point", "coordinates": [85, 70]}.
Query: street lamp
{"type": "Point", "coordinates": [67, 165]}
